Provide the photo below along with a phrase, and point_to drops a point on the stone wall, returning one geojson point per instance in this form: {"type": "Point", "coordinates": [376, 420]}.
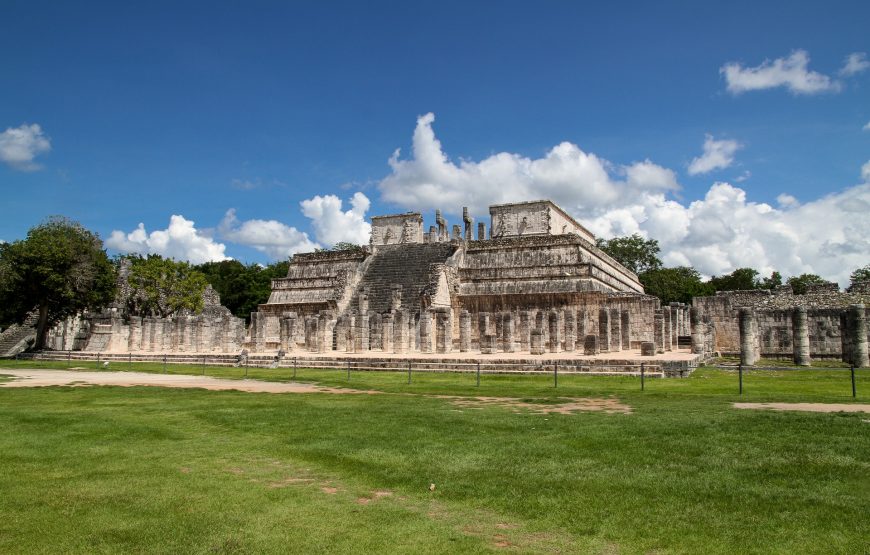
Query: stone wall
{"type": "Point", "coordinates": [774, 314]}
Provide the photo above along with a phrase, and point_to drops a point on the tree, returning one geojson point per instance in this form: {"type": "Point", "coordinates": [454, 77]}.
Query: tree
{"type": "Point", "coordinates": [60, 268]}
{"type": "Point", "coordinates": [163, 286]}
{"type": "Point", "coordinates": [860, 274]}
{"type": "Point", "coordinates": [242, 287]}
{"type": "Point", "coordinates": [678, 284]}
{"type": "Point", "coordinates": [634, 252]}
{"type": "Point", "coordinates": [740, 279]}
{"type": "Point", "coordinates": [774, 281]}
{"type": "Point", "coordinates": [799, 283]}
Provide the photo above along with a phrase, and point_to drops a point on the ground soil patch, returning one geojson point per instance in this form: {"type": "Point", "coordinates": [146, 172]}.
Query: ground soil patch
{"type": "Point", "coordinates": [567, 405]}
{"type": "Point", "coordinates": [76, 378]}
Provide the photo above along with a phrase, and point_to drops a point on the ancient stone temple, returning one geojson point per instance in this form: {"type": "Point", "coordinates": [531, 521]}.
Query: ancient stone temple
{"type": "Point", "coordinates": [531, 281]}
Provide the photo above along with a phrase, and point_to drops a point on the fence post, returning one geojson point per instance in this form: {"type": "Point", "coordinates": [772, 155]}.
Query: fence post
{"type": "Point", "coordinates": [203, 365]}
{"type": "Point", "coordinates": [641, 375]}
{"type": "Point", "coordinates": [852, 372]}
{"type": "Point", "coordinates": [740, 377]}
{"type": "Point", "coordinates": [478, 373]}
{"type": "Point", "coordinates": [556, 374]}
{"type": "Point", "coordinates": [164, 364]}
{"type": "Point", "coordinates": [348, 370]}
{"type": "Point", "coordinates": [246, 371]}
{"type": "Point", "coordinates": [294, 368]}
{"type": "Point", "coordinates": [129, 361]}
{"type": "Point", "coordinates": [68, 357]}
{"type": "Point", "coordinates": [409, 372]}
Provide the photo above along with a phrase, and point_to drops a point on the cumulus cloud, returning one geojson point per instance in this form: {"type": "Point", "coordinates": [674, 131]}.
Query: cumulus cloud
{"type": "Point", "coordinates": [790, 72]}
{"type": "Point", "coordinates": [717, 155]}
{"type": "Point", "coordinates": [722, 231]}
{"type": "Point", "coordinates": [332, 225]}
{"type": "Point", "coordinates": [272, 237]}
{"type": "Point", "coordinates": [866, 127]}
{"type": "Point", "coordinates": [566, 174]}
{"type": "Point", "coordinates": [20, 145]}
{"type": "Point", "coordinates": [855, 63]}
{"type": "Point", "coordinates": [181, 241]}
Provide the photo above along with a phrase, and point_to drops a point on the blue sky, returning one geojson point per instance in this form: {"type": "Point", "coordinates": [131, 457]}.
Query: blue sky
{"type": "Point", "coordinates": [117, 115]}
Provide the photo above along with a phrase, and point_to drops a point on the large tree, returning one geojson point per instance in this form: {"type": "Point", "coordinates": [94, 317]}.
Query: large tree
{"type": "Point", "coordinates": [800, 283]}
{"type": "Point", "coordinates": [860, 274]}
{"type": "Point", "coordinates": [741, 279]}
{"type": "Point", "coordinates": [60, 269]}
{"type": "Point", "coordinates": [634, 252]}
{"type": "Point", "coordinates": [162, 286]}
{"type": "Point", "coordinates": [678, 284]}
{"type": "Point", "coordinates": [242, 287]}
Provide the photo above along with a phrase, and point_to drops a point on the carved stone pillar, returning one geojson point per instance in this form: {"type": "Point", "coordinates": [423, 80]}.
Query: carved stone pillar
{"type": "Point", "coordinates": [554, 345]}
{"type": "Point", "coordinates": [570, 331]}
{"type": "Point", "coordinates": [464, 331]}
{"type": "Point", "coordinates": [615, 330]}
{"type": "Point", "coordinates": [536, 342]}
{"type": "Point", "coordinates": [590, 345]}
{"type": "Point", "coordinates": [626, 329]}
{"type": "Point", "coordinates": [604, 339]}
{"type": "Point", "coordinates": [748, 337]}
{"type": "Point", "coordinates": [525, 331]}
{"type": "Point", "coordinates": [134, 342]}
{"type": "Point", "coordinates": [507, 327]}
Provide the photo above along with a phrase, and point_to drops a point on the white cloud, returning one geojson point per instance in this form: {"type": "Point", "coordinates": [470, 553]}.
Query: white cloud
{"type": "Point", "coordinates": [332, 225]}
{"type": "Point", "coordinates": [272, 237]}
{"type": "Point", "coordinates": [716, 234]}
{"type": "Point", "coordinates": [855, 63]}
{"type": "Point", "coordinates": [790, 72]}
{"type": "Point", "coordinates": [20, 145]}
{"type": "Point", "coordinates": [181, 240]}
{"type": "Point", "coordinates": [566, 174]}
{"type": "Point", "coordinates": [717, 155]}
{"type": "Point", "coordinates": [866, 127]}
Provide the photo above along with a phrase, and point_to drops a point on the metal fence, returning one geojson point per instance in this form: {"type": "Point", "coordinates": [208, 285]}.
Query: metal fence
{"type": "Point", "coordinates": [740, 370]}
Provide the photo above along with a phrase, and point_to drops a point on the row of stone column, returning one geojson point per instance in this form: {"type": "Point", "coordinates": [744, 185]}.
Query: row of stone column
{"type": "Point", "coordinates": [194, 334]}
{"type": "Point", "coordinates": [853, 330]}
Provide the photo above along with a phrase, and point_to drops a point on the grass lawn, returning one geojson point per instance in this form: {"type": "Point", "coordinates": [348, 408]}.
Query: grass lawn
{"type": "Point", "coordinates": [107, 469]}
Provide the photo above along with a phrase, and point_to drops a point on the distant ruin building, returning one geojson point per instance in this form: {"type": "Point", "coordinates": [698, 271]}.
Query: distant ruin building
{"type": "Point", "coordinates": [531, 280]}
{"type": "Point", "coordinates": [442, 290]}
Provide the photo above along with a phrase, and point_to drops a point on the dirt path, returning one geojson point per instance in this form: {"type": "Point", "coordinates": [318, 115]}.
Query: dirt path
{"type": "Point", "coordinates": [805, 407]}
{"type": "Point", "coordinates": [41, 378]}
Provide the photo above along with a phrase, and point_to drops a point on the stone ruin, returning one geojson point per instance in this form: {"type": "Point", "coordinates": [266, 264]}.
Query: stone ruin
{"type": "Point", "coordinates": [823, 323]}
{"type": "Point", "coordinates": [533, 282]}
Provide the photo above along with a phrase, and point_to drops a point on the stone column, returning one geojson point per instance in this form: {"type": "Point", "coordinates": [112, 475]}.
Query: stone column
{"type": "Point", "coordinates": [696, 329]}
{"type": "Point", "coordinates": [481, 231]}
{"type": "Point", "coordinates": [615, 331]}
{"type": "Point", "coordinates": [748, 337]}
{"type": "Point", "coordinates": [659, 331]}
{"type": "Point", "coordinates": [149, 326]}
{"type": "Point", "coordinates": [443, 333]}
{"type": "Point", "coordinates": [581, 329]}
{"type": "Point", "coordinates": [626, 329]}
{"type": "Point", "coordinates": [387, 333]}
{"type": "Point", "coordinates": [507, 327]}
{"type": "Point", "coordinates": [325, 325]}
{"type": "Point", "coordinates": [536, 342]}
{"type": "Point", "coordinates": [499, 330]}
{"type": "Point", "coordinates": [464, 331]}
{"type": "Point", "coordinates": [400, 332]}
{"type": "Point", "coordinates": [525, 331]}
{"type": "Point", "coordinates": [542, 323]}
{"type": "Point", "coordinates": [675, 325]}
{"type": "Point", "coordinates": [361, 339]}
{"type": "Point", "coordinates": [857, 332]}
{"type": "Point", "coordinates": [590, 345]}
{"type": "Point", "coordinates": [604, 331]}
{"type": "Point", "coordinates": [666, 312]}
{"type": "Point", "coordinates": [555, 344]}
{"type": "Point", "coordinates": [800, 336]}
{"type": "Point", "coordinates": [466, 219]}
{"type": "Point", "coordinates": [426, 331]}
{"type": "Point", "coordinates": [482, 326]}
{"type": "Point", "coordinates": [570, 331]}
{"type": "Point", "coordinates": [134, 342]}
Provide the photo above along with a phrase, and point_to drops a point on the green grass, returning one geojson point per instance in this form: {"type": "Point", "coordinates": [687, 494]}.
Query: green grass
{"type": "Point", "coordinates": [105, 470]}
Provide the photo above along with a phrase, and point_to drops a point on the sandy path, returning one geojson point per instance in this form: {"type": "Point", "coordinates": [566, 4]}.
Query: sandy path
{"type": "Point", "coordinates": [41, 378]}
{"type": "Point", "coordinates": [805, 407]}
